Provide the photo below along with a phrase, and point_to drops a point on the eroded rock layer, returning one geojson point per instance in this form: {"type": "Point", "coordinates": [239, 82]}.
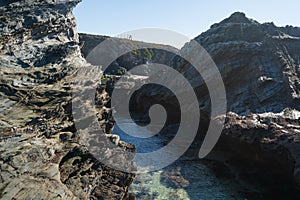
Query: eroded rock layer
{"type": "Point", "coordinates": [269, 140]}
{"type": "Point", "coordinates": [41, 152]}
{"type": "Point", "coordinates": [259, 63]}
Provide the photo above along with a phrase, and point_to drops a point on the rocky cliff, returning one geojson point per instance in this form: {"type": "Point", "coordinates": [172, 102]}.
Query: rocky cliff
{"type": "Point", "coordinates": [157, 54]}
{"type": "Point", "coordinates": [259, 64]}
{"type": "Point", "coordinates": [41, 153]}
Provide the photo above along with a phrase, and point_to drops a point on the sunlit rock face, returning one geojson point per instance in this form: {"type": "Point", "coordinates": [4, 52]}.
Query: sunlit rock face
{"type": "Point", "coordinates": [38, 49]}
{"type": "Point", "coordinates": [41, 152]}
{"type": "Point", "coordinates": [37, 33]}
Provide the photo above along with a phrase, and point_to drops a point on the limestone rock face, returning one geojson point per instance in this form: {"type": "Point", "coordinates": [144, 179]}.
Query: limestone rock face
{"type": "Point", "coordinates": [42, 156]}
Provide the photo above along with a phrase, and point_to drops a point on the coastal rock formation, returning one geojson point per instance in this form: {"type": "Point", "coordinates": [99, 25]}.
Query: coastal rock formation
{"type": "Point", "coordinates": [259, 64]}
{"type": "Point", "coordinates": [267, 140]}
{"type": "Point", "coordinates": [159, 53]}
{"type": "Point", "coordinates": [42, 156]}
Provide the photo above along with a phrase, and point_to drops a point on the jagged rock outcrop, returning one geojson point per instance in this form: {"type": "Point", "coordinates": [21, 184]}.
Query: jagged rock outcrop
{"type": "Point", "coordinates": [269, 140]}
{"type": "Point", "coordinates": [42, 156]}
{"type": "Point", "coordinates": [259, 63]}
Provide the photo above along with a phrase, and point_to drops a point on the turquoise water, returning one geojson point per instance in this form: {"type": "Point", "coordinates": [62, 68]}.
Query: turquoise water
{"type": "Point", "coordinates": [187, 178]}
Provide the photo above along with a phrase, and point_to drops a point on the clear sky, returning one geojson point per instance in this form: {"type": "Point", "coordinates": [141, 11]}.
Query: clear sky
{"type": "Point", "coordinates": [188, 17]}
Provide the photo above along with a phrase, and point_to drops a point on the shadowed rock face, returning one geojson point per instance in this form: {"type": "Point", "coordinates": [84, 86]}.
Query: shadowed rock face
{"type": "Point", "coordinates": [41, 153]}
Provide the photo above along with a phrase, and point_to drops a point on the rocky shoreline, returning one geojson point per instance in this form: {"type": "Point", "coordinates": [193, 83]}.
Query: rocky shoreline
{"type": "Point", "coordinates": [42, 156]}
{"type": "Point", "coordinates": [268, 141]}
{"type": "Point", "coordinates": [41, 152]}
{"type": "Point", "coordinates": [259, 64]}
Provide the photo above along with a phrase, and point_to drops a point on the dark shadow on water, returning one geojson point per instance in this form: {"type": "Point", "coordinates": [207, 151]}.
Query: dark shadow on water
{"type": "Point", "coordinates": [192, 178]}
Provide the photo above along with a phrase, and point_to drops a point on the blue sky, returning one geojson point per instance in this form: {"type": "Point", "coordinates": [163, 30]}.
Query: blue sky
{"type": "Point", "coordinates": [188, 17]}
